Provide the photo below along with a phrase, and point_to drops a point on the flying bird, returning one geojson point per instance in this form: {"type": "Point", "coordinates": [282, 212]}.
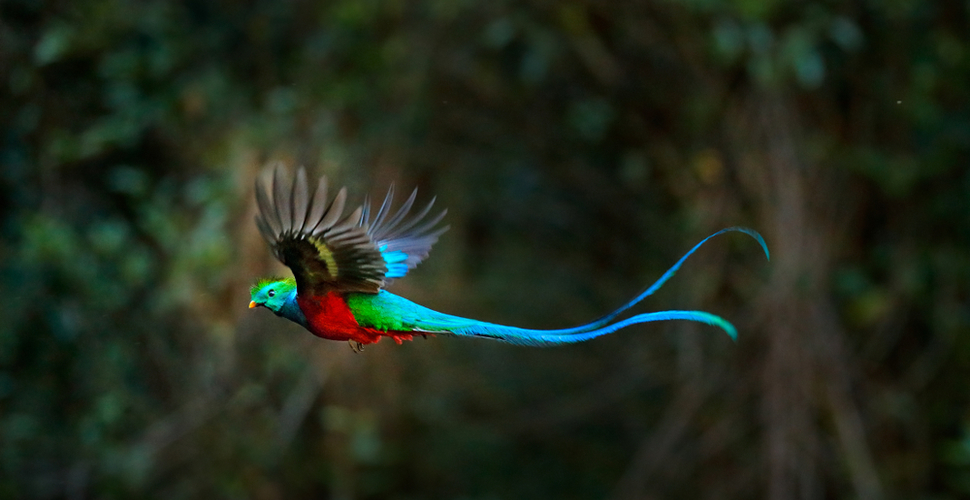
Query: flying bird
{"type": "Point", "coordinates": [341, 265]}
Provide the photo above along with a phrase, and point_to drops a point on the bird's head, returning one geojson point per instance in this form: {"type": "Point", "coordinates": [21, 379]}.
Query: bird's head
{"type": "Point", "coordinates": [272, 293]}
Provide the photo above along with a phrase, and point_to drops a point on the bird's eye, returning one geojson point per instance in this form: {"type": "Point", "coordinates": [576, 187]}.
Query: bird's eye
{"type": "Point", "coordinates": [271, 293]}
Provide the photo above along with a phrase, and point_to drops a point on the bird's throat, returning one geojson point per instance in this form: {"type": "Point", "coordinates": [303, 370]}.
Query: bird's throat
{"type": "Point", "coordinates": [291, 310]}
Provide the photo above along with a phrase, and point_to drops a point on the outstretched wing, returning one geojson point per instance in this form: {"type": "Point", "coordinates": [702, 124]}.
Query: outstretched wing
{"type": "Point", "coordinates": [325, 250]}
{"type": "Point", "coordinates": [403, 239]}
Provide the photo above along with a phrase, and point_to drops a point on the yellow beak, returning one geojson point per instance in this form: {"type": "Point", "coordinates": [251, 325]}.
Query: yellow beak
{"type": "Point", "coordinates": [252, 304]}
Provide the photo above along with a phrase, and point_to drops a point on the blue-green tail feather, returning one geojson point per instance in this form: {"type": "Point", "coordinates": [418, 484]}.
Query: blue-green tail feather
{"type": "Point", "coordinates": [417, 318]}
{"type": "Point", "coordinates": [523, 336]}
{"type": "Point", "coordinates": [599, 323]}
{"type": "Point", "coordinates": [603, 321]}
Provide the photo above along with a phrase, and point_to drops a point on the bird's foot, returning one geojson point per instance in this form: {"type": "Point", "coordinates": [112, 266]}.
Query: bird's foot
{"type": "Point", "coordinates": [356, 346]}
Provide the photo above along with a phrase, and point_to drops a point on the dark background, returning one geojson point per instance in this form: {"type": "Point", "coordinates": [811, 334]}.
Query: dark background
{"type": "Point", "coordinates": [581, 147]}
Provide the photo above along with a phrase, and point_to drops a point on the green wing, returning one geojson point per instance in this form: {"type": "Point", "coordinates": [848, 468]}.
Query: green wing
{"type": "Point", "coordinates": [325, 250]}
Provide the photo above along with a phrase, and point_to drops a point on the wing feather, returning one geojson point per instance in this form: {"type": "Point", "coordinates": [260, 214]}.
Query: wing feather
{"type": "Point", "coordinates": [385, 207]}
{"type": "Point", "coordinates": [300, 207]}
{"type": "Point", "coordinates": [281, 199]}
{"type": "Point", "coordinates": [402, 212]}
{"type": "Point", "coordinates": [328, 250]}
{"type": "Point", "coordinates": [325, 249]}
{"type": "Point", "coordinates": [264, 229]}
{"type": "Point", "coordinates": [317, 206]}
{"type": "Point", "coordinates": [333, 212]}
{"type": "Point", "coordinates": [267, 210]}
{"type": "Point", "coordinates": [404, 239]}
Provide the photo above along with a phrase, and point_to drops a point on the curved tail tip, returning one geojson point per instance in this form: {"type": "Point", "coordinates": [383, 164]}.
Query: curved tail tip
{"type": "Point", "coordinates": [764, 246]}
{"type": "Point", "coordinates": [715, 320]}
{"type": "Point", "coordinates": [754, 234]}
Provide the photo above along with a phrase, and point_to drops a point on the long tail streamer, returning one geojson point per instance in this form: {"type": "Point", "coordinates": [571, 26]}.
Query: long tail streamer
{"type": "Point", "coordinates": [599, 327]}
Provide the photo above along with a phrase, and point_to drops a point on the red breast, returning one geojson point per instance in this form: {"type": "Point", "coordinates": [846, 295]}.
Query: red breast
{"type": "Point", "coordinates": [329, 317]}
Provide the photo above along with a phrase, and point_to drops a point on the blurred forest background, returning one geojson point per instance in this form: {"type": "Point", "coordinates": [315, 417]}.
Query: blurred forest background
{"type": "Point", "coordinates": [581, 147]}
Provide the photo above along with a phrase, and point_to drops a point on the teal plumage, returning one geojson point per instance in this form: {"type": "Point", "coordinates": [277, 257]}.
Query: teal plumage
{"type": "Point", "coordinates": [386, 311]}
{"type": "Point", "coordinates": [342, 264]}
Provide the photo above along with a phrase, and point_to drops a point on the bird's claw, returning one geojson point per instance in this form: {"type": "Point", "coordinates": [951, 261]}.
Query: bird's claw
{"type": "Point", "coordinates": [356, 346]}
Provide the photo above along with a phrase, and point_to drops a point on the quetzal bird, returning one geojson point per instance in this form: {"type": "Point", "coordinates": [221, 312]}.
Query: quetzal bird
{"type": "Point", "coordinates": [341, 265]}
